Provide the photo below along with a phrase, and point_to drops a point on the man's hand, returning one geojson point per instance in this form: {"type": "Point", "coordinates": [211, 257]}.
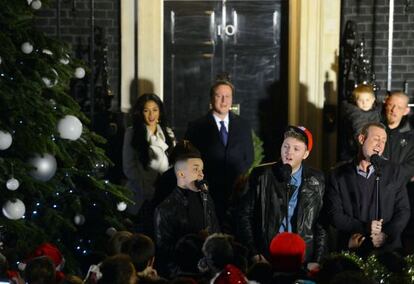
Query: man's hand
{"type": "Point", "coordinates": [378, 240]}
{"type": "Point", "coordinates": [355, 241]}
{"type": "Point", "coordinates": [376, 226]}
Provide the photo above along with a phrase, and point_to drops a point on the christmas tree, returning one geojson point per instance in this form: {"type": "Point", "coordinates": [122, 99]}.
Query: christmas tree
{"type": "Point", "coordinates": [50, 164]}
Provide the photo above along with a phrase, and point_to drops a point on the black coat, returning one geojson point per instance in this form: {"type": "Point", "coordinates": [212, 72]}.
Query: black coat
{"type": "Point", "coordinates": [172, 219]}
{"type": "Point", "coordinates": [400, 148]}
{"type": "Point", "coordinates": [343, 205]}
{"type": "Point", "coordinates": [222, 165]}
{"type": "Point", "coordinates": [263, 208]}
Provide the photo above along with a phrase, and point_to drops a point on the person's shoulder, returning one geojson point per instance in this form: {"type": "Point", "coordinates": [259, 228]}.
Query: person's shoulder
{"type": "Point", "coordinates": [262, 169]}
{"type": "Point", "coordinates": [200, 122]}
{"type": "Point", "coordinates": [313, 176]}
{"type": "Point", "coordinates": [341, 167]}
{"type": "Point", "coordinates": [237, 118]}
{"type": "Point", "coordinates": [312, 171]}
{"type": "Point", "coordinates": [170, 200]}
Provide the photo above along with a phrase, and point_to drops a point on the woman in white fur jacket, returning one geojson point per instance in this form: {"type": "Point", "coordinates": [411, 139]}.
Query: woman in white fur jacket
{"type": "Point", "coordinates": [147, 144]}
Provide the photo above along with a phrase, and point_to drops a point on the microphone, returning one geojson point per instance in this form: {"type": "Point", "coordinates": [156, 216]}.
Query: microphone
{"type": "Point", "coordinates": [286, 170]}
{"type": "Point", "coordinates": [202, 185]}
{"type": "Point", "coordinates": [283, 172]}
{"type": "Point", "coordinates": [376, 161]}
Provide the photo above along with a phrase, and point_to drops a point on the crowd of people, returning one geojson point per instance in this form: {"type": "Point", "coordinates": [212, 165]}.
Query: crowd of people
{"type": "Point", "coordinates": [200, 218]}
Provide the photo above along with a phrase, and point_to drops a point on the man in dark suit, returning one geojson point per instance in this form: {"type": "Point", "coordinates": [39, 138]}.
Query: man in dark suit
{"type": "Point", "coordinates": [225, 142]}
{"type": "Point", "coordinates": [361, 222]}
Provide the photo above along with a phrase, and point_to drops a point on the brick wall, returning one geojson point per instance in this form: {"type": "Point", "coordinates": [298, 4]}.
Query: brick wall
{"type": "Point", "coordinates": [371, 17]}
{"type": "Point", "coordinates": [75, 28]}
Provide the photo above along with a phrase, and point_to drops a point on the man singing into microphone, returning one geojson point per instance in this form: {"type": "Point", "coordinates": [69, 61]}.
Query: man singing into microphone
{"type": "Point", "coordinates": [364, 219]}
{"type": "Point", "coordinates": [189, 209]}
{"type": "Point", "coordinates": [286, 186]}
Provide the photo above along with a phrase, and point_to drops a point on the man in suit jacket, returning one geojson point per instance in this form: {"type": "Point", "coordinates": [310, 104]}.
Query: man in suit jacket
{"type": "Point", "coordinates": [225, 142]}
{"type": "Point", "coordinates": [351, 197]}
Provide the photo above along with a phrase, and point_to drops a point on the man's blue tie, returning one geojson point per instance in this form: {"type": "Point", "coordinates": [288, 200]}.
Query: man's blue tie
{"type": "Point", "coordinates": [223, 133]}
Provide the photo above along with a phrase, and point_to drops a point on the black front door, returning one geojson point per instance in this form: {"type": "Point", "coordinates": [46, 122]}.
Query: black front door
{"type": "Point", "coordinates": [247, 39]}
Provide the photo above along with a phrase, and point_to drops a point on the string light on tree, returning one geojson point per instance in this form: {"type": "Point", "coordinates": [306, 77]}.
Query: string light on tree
{"type": "Point", "coordinates": [5, 140]}
{"type": "Point", "coordinates": [14, 209]}
{"type": "Point", "coordinates": [27, 47]}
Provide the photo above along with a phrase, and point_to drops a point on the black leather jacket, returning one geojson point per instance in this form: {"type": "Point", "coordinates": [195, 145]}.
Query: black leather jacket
{"type": "Point", "coordinates": [263, 208]}
{"type": "Point", "coordinates": [172, 221]}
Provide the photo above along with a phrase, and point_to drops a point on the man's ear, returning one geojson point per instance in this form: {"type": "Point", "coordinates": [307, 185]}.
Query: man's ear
{"type": "Point", "coordinates": [407, 110]}
{"type": "Point", "coordinates": [179, 173]}
{"type": "Point", "coordinates": [361, 139]}
{"type": "Point", "coordinates": [306, 155]}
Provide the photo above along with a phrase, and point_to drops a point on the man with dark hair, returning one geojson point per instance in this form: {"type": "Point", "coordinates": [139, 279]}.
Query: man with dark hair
{"type": "Point", "coordinates": [141, 249]}
{"type": "Point", "coordinates": [188, 209]}
{"type": "Point", "coordinates": [225, 142]}
{"type": "Point", "coordinates": [284, 190]}
{"type": "Point", "coordinates": [366, 200]}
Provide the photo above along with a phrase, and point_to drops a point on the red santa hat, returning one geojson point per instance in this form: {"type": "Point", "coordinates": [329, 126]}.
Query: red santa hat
{"type": "Point", "coordinates": [231, 275]}
{"type": "Point", "coordinates": [287, 252]}
{"type": "Point", "coordinates": [50, 251]}
{"type": "Point", "coordinates": [305, 133]}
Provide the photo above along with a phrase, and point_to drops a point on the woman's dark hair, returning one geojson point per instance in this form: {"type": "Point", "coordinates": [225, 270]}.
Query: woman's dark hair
{"type": "Point", "coordinates": [139, 138]}
{"type": "Point", "coordinates": [116, 269]}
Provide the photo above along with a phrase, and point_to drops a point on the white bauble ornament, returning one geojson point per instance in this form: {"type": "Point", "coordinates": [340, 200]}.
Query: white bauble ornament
{"type": "Point", "coordinates": [47, 82]}
{"type": "Point", "coordinates": [14, 209]}
{"type": "Point", "coordinates": [45, 167]}
{"type": "Point", "coordinates": [79, 219]}
{"type": "Point", "coordinates": [121, 206]}
{"type": "Point", "coordinates": [27, 47]}
{"type": "Point", "coordinates": [64, 61]}
{"type": "Point", "coordinates": [80, 72]}
{"type": "Point", "coordinates": [47, 51]}
{"type": "Point", "coordinates": [110, 231]}
{"type": "Point", "coordinates": [70, 127]}
{"type": "Point", "coordinates": [36, 4]}
{"type": "Point", "coordinates": [12, 184]}
{"type": "Point", "coordinates": [5, 140]}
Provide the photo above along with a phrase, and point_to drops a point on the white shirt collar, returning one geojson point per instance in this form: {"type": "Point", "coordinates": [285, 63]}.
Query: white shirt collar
{"type": "Point", "coordinates": [218, 119]}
